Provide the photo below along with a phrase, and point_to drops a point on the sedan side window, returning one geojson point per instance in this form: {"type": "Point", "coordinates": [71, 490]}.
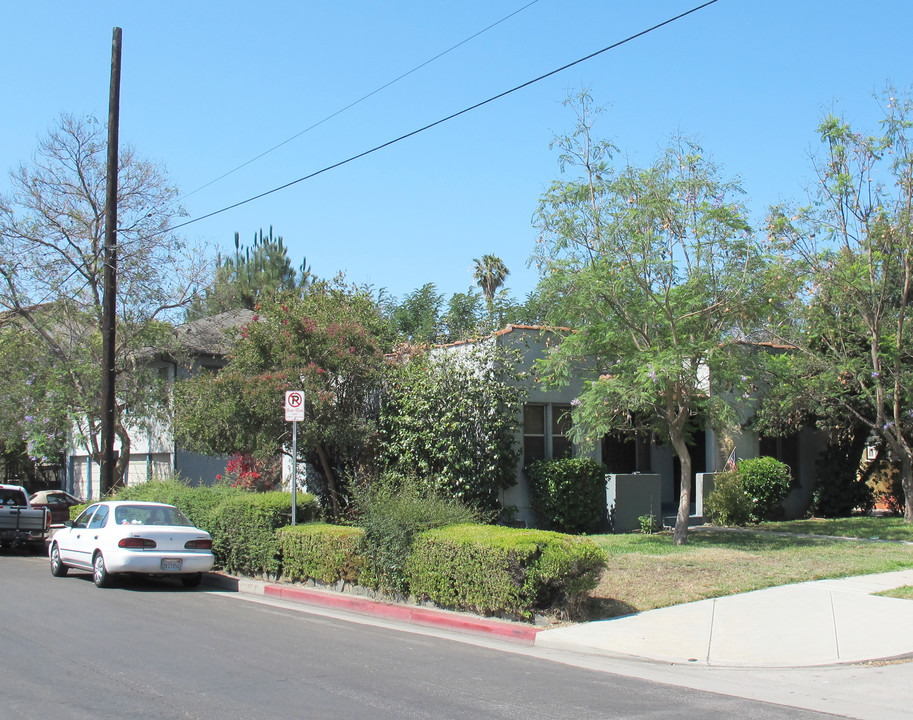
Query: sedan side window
{"type": "Point", "coordinates": [100, 517]}
{"type": "Point", "coordinates": [83, 520]}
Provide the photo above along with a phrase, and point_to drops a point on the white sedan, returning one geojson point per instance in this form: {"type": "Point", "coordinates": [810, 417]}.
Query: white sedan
{"type": "Point", "coordinates": [110, 538]}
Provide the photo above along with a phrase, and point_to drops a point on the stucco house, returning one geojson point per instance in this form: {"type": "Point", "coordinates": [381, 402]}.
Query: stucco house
{"type": "Point", "coordinates": [546, 418]}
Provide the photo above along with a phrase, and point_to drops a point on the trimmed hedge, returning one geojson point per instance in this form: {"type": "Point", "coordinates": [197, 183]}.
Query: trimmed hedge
{"type": "Point", "coordinates": [319, 551]}
{"type": "Point", "coordinates": [490, 569]}
{"type": "Point", "coordinates": [199, 502]}
{"type": "Point", "coordinates": [568, 495]}
{"type": "Point", "coordinates": [244, 539]}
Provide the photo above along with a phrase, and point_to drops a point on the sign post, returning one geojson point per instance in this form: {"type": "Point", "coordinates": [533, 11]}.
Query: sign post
{"type": "Point", "coordinates": [294, 412]}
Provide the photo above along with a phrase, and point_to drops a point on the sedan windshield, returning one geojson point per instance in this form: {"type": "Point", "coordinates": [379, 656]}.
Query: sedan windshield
{"type": "Point", "coordinates": [150, 515]}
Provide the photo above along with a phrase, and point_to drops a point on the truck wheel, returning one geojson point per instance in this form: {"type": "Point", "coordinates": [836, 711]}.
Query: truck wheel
{"type": "Point", "coordinates": [100, 572]}
{"type": "Point", "coordinates": [58, 569]}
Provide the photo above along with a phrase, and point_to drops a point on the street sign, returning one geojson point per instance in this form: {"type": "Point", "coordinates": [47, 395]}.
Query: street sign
{"type": "Point", "coordinates": [294, 406]}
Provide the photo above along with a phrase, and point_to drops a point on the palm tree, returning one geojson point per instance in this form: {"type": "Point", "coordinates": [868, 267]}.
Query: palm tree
{"type": "Point", "coordinates": [490, 273]}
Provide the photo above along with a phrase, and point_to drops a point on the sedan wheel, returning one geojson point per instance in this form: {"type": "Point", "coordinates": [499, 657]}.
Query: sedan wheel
{"type": "Point", "coordinates": [100, 572]}
{"type": "Point", "coordinates": [58, 569]}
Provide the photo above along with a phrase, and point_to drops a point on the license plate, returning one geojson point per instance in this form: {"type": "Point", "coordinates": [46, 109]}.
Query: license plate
{"type": "Point", "coordinates": [171, 564]}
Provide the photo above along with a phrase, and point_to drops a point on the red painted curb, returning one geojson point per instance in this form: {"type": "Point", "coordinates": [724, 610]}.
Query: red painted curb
{"type": "Point", "coordinates": [406, 613]}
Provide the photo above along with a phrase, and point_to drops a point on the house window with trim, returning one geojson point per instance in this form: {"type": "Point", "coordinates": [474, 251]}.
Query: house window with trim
{"type": "Point", "coordinates": [545, 432]}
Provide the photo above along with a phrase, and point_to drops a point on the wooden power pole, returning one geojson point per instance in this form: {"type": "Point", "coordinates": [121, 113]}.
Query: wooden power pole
{"type": "Point", "coordinates": [109, 303]}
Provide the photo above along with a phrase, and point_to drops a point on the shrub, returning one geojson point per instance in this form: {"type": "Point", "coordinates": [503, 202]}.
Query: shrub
{"type": "Point", "coordinates": [568, 495]}
{"type": "Point", "coordinates": [318, 551]}
{"type": "Point", "coordinates": [750, 493]}
{"type": "Point", "coordinates": [248, 473]}
{"type": "Point", "coordinates": [768, 481]}
{"type": "Point", "coordinates": [838, 488]}
{"type": "Point", "coordinates": [728, 503]}
{"type": "Point", "coordinates": [244, 538]}
{"type": "Point", "coordinates": [199, 503]}
{"type": "Point", "coordinates": [491, 569]}
{"type": "Point", "coordinates": [451, 419]}
{"type": "Point", "coordinates": [392, 513]}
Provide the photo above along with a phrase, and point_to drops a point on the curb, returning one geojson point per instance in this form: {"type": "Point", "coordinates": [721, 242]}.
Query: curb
{"type": "Point", "coordinates": [427, 617]}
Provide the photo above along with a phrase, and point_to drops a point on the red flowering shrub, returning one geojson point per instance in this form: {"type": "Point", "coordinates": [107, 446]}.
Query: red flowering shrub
{"type": "Point", "coordinates": [247, 473]}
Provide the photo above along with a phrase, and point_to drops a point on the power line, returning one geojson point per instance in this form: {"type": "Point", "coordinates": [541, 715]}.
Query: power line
{"type": "Point", "coordinates": [443, 120]}
{"type": "Point", "coordinates": [361, 99]}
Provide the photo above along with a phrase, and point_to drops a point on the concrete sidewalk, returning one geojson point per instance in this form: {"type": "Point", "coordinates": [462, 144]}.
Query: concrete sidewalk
{"type": "Point", "coordinates": [804, 625]}
{"type": "Point", "coordinates": [809, 624]}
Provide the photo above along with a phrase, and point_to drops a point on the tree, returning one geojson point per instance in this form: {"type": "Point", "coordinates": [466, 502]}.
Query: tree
{"type": "Point", "coordinates": [490, 273]}
{"type": "Point", "coordinates": [253, 273]}
{"type": "Point", "coordinates": [417, 317]}
{"type": "Point", "coordinates": [657, 270]}
{"type": "Point", "coordinates": [450, 421]}
{"type": "Point", "coordinates": [324, 342]}
{"type": "Point", "coordinates": [52, 274]}
{"type": "Point", "coordinates": [462, 317]}
{"type": "Point", "coordinates": [853, 329]}
{"type": "Point", "coordinates": [33, 415]}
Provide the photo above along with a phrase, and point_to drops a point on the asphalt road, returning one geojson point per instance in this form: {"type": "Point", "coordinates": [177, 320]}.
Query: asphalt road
{"type": "Point", "coordinates": [149, 649]}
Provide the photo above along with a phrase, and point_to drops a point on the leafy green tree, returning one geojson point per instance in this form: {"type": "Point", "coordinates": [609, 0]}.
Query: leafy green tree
{"type": "Point", "coordinates": [324, 342]}
{"type": "Point", "coordinates": [417, 317]}
{"type": "Point", "coordinates": [658, 271]}
{"type": "Point", "coordinates": [52, 226]}
{"type": "Point", "coordinates": [450, 420]}
{"type": "Point", "coordinates": [462, 318]}
{"type": "Point", "coordinates": [33, 417]}
{"type": "Point", "coordinates": [853, 328]}
{"type": "Point", "coordinates": [253, 273]}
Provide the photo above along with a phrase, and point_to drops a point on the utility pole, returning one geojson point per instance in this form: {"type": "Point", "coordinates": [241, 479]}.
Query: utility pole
{"type": "Point", "coordinates": [109, 302]}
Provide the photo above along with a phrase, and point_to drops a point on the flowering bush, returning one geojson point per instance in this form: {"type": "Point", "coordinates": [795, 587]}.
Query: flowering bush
{"type": "Point", "coordinates": [247, 473]}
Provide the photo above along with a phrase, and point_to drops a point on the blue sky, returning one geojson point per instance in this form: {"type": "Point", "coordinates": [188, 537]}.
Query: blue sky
{"type": "Point", "coordinates": [208, 86]}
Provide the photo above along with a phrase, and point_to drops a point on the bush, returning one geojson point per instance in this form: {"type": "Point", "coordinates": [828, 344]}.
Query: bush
{"type": "Point", "coordinates": [768, 481]}
{"type": "Point", "coordinates": [568, 495]}
{"type": "Point", "coordinates": [322, 552]}
{"type": "Point", "coordinates": [451, 419]}
{"type": "Point", "coordinates": [838, 489]}
{"type": "Point", "coordinates": [750, 493]}
{"type": "Point", "coordinates": [244, 539]}
{"type": "Point", "coordinates": [199, 503]}
{"type": "Point", "coordinates": [490, 569]}
{"type": "Point", "coordinates": [729, 502]}
{"type": "Point", "coordinates": [392, 513]}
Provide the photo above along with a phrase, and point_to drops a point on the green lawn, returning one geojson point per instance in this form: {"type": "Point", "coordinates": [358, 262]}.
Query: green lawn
{"type": "Point", "coordinates": [647, 571]}
{"type": "Point", "coordinates": [877, 528]}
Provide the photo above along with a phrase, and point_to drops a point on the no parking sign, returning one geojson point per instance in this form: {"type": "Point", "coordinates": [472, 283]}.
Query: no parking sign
{"type": "Point", "coordinates": [294, 406]}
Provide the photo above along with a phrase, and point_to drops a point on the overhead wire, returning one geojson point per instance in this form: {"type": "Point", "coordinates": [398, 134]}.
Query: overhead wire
{"type": "Point", "coordinates": [429, 126]}
{"type": "Point", "coordinates": [360, 100]}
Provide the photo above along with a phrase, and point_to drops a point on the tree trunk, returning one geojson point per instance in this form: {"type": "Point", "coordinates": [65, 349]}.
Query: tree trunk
{"type": "Point", "coordinates": [680, 534]}
{"type": "Point", "coordinates": [332, 487]}
{"type": "Point", "coordinates": [906, 480]}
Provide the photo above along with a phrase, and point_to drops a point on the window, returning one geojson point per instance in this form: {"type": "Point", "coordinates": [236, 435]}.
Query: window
{"type": "Point", "coordinates": [545, 432]}
{"type": "Point", "coordinates": [533, 433]}
{"type": "Point", "coordinates": [83, 520]}
{"type": "Point", "coordinates": [561, 426]}
{"type": "Point", "coordinates": [98, 520]}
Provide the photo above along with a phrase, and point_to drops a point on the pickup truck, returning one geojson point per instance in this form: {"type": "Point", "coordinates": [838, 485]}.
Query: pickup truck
{"type": "Point", "coordinates": [20, 523]}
